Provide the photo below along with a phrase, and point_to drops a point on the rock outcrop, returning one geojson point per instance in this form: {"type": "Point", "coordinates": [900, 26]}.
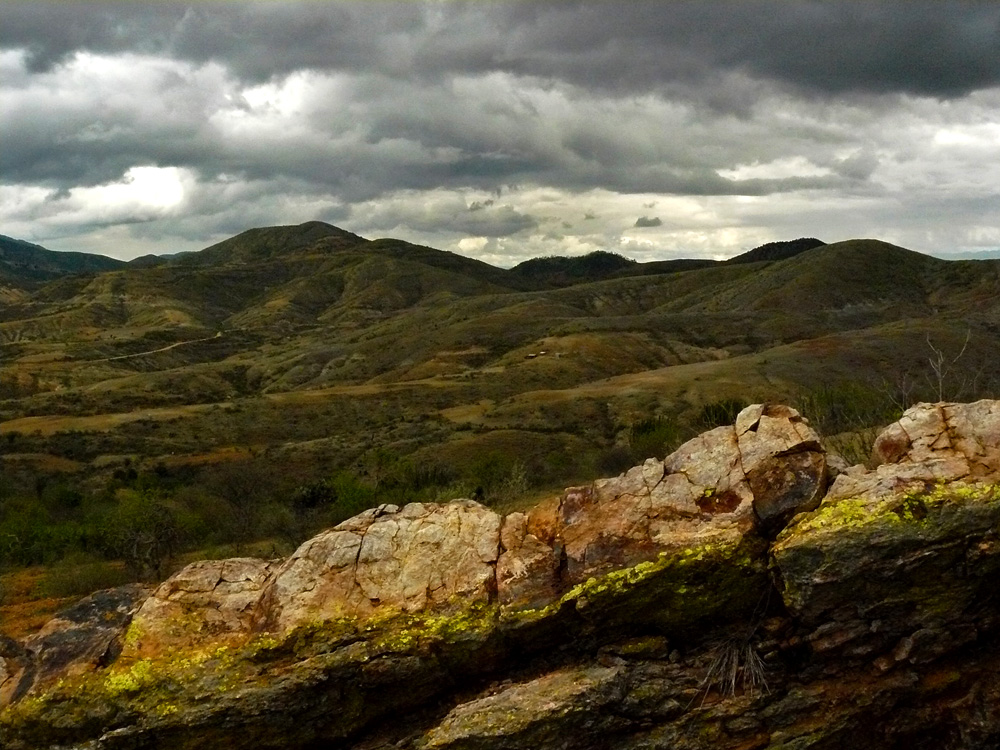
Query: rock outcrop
{"type": "Point", "coordinates": [88, 635]}
{"type": "Point", "coordinates": [399, 559]}
{"type": "Point", "coordinates": [724, 597]}
{"type": "Point", "coordinates": [212, 600]}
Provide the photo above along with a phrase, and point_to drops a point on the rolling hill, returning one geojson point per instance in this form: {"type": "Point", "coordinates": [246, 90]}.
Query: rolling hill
{"type": "Point", "coordinates": [25, 263]}
{"type": "Point", "coordinates": [313, 346]}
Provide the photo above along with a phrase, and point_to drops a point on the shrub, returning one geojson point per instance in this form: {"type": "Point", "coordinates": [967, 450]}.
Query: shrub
{"type": "Point", "coordinates": [653, 438]}
{"type": "Point", "coordinates": [719, 413]}
{"type": "Point", "coordinates": [144, 532]}
{"type": "Point", "coordinates": [498, 479]}
{"type": "Point", "coordinates": [848, 407]}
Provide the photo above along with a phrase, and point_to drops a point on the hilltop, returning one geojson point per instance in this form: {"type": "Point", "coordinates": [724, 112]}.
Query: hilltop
{"type": "Point", "coordinates": [322, 372]}
{"type": "Point", "coordinates": [25, 263]}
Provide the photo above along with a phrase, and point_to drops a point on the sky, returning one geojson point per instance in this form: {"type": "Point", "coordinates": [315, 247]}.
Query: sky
{"type": "Point", "coordinates": [502, 129]}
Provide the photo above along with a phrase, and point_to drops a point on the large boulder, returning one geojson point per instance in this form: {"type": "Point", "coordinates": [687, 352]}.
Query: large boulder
{"type": "Point", "coordinates": [408, 559]}
{"type": "Point", "coordinates": [207, 601]}
{"type": "Point", "coordinates": [713, 490]}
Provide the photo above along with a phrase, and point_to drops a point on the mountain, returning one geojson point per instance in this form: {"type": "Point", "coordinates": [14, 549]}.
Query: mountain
{"type": "Point", "coordinates": [555, 271]}
{"type": "Point", "coordinates": [314, 347]}
{"type": "Point", "coordinates": [270, 243]}
{"type": "Point", "coordinates": [777, 250]}
{"type": "Point", "coordinates": [26, 263]}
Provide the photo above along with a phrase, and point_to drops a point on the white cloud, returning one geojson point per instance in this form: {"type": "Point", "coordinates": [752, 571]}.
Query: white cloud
{"type": "Point", "coordinates": [142, 194]}
{"type": "Point", "coordinates": [778, 169]}
{"type": "Point", "coordinates": [498, 161]}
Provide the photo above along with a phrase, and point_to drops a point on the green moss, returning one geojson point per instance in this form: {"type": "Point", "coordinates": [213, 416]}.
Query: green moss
{"type": "Point", "coordinates": [677, 590]}
{"type": "Point", "coordinates": [133, 635]}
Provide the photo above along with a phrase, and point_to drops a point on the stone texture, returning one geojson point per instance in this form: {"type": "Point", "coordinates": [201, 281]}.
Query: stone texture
{"type": "Point", "coordinates": [784, 463]}
{"type": "Point", "coordinates": [548, 711]}
{"type": "Point", "coordinates": [879, 629]}
{"type": "Point", "coordinates": [930, 444]}
{"type": "Point", "coordinates": [528, 568]}
{"type": "Point", "coordinates": [967, 435]}
{"type": "Point", "coordinates": [713, 489]}
{"type": "Point", "coordinates": [203, 603]}
{"type": "Point", "coordinates": [14, 659]}
{"type": "Point", "coordinates": [79, 639]}
{"type": "Point", "coordinates": [898, 560]}
{"type": "Point", "coordinates": [411, 558]}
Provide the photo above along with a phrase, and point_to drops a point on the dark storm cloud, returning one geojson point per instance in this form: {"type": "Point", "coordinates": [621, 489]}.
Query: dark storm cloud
{"type": "Point", "coordinates": [493, 119]}
{"type": "Point", "coordinates": [646, 222]}
{"type": "Point", "coordinates": [936, 47]}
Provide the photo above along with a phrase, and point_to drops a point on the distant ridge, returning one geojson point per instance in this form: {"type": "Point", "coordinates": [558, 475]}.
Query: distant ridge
{"type": "Point", "coordinates": [269, 243]}
{"type": "Point", "coordinates": [560, 271]}
{"type": "Point", "coordinates": [777, 250]}
{"type": "Point", "coordinates": [25, 262]}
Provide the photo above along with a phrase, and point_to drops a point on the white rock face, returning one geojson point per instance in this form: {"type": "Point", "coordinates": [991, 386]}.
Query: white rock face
{"type": "Point", "coordinates": [408, 559]}
{"type": "Point", "coordinates": [930, 443]}
{"type": "Point", "coordinates": [715, 488]}
{"type": "Point", "coordinates": [207, 600]}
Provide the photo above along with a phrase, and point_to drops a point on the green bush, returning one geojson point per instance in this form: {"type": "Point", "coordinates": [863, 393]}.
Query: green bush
{"type": "Point", "coordinates": [653, 438]}
{"type": "Point", "coordinates": [76, 576]}
{"type": "Point", "coordinates": [144, 532]}
{"type": "Point", "coordinates": [497, 479]}
{"type": "Point", "coordinates": [848, 407]}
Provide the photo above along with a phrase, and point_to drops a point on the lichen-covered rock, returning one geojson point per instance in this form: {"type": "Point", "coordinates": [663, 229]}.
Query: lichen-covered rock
{"type": "Point", "coordinates": [714, 489]}
{"type": "Point", "coordinates": [635, 613]}
{"type": "Point", "coordinates": [868, 572]}
{"type": "Point", "coordinates": [208, 601]}
{"type": "Point", "coordinates": [549, 711]}
{"type": "Point", "coordinates": [898, 561]}
{"type": "Point", "coordinates": [408, 559]}
{"type": "Point", "coordinates": [84, 637]}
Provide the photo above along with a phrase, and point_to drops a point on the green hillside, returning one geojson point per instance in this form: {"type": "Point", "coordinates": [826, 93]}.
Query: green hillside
{"type": "Point", "coordinates": [26, 263]}
{"type": "Point", "coordinates": [307, 355]}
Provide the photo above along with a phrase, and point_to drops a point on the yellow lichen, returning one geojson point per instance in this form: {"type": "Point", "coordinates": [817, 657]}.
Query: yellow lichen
{"type": "Point", "coordinates": [131, 680]}
{"type": "Point", "coordinates": [909, 508]}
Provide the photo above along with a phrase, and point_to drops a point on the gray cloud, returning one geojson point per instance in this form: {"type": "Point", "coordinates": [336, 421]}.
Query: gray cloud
{"type": "Point", "coordinates": [644, 222]}
{"type": "Point", "coordinates": [440, 119]}
{"type": "Point", "coordinates": [933, 47]}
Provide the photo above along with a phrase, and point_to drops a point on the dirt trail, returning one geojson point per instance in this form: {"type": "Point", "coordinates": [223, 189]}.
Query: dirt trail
{"type": "Point", "coordinates": [155, 351]}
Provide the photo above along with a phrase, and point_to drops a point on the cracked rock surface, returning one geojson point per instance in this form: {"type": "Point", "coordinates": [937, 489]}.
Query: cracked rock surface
{"type": "Point", "coordinates": [410, 559]}
{"type": "Point", "coordinates": [209, 599]}
{"type": "Point", "coordinates": [723, 597]}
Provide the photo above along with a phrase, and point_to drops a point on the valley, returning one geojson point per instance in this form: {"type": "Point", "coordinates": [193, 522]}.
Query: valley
{"type": "Point", "coordinates": [336, 372]}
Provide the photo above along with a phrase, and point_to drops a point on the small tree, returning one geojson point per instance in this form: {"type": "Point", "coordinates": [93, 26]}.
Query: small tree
{"type": "Point", "coordinates": [143, 531]}
{"type": "Point", "coordinates": [246, 487]}
{"type": "Point", "coordinates": [942, 366]}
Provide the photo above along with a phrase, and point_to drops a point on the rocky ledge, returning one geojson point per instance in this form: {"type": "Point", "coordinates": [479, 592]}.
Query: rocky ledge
{"type": "Point", "coordinates": [741, 593]}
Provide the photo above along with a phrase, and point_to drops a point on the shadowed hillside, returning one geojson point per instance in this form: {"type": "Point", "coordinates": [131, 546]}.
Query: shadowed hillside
{"type": "Point", "coordinates": [25, 263]}
{"type": "Point", "coordinates": [314, 359]}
